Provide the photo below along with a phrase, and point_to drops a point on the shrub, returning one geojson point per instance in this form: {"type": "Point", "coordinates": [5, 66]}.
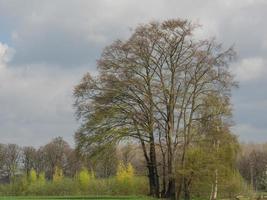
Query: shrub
{"type": "Point", "coordinates": [18, 186]}
{"type": "Point", "coordinates": [32, 176]}
{"type": "Point", "coordinates": [65, 186]}
{"type": "Point", "coordinates": [125, 178]}
{"type": "Point", "coordinates": [125, 173]}
{"type": "Point", "coordinates": [58, 175]}
{"type": "Point", "coordinates": [233, 185]}
{"type": "Point", "coordinates": [41, 178]}
{"type": "Point", "coordinates": [83, 179]}
{"type": "Point", "coordinates": [125, 183]}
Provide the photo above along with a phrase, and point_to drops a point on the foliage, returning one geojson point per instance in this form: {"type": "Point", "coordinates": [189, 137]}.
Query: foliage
{"type": "Point", "coordinates": [84, 179]}
{"type": "Point", "coordinates": [58, 175]}
{"type": "Point", "coordinates": [41, 178]}
{"type": "Point", "coordinates": [233, 185]}
{"type": "Point", "coordinates": [125, 173]}
{"type": "Point", "coordinates": [162, 88]}
{"type": "Point", "coordinates": [67, 186]}
{"type": "Point", "coordinates": [32, 176]}
{"type": "Point", "coordinates": [125, 176]}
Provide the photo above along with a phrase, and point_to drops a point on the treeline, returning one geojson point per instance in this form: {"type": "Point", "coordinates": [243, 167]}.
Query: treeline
{"type": "Point", "coordinates": [252, 164]}
{"type": "Point", "coordinates": [57, 169]}
{"type": "Point", "coordinates": [16, 160]}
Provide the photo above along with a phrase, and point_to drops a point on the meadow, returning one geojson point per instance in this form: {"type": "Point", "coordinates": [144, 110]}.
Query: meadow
{"type": "Point", "coordinates": [75, 197]}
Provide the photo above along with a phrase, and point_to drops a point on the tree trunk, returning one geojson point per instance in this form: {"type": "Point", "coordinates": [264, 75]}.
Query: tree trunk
{"type": "Point", "coordinates": [186, 190]}
{"type": "Point", "coordinates": [163, 191]}
{"type": "Point", "coordinates": [251, 175]}
{"type": "Point", "coordinates": [212, 191]}
{"type": "Point", "coordinates": [171, 193]}
{"type": "Point", "coordinates": [153, 172]}
{"type": "Point", "coordinates": [214, 187]}
{"type": "Point", "coordinates": [153, 182]}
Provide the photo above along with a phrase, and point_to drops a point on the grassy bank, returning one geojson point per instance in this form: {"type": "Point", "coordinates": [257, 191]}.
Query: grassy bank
{"type": "Point", "coordinates": [76, 197]}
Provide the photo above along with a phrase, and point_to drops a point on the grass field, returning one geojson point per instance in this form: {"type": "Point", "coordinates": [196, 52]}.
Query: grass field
{"type": "Point", "coordinates": [74, 198]}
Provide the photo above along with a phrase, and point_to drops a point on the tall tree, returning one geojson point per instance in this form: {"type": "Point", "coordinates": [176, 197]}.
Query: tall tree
{"type": "Point", "coordinates": [29, 157]}
{"type": "Point", "coordinates": [151, 89]}
{"type": "Point", "coordinates": [11, 160]}
{"type": "Point", "coordinates": [55, 155]}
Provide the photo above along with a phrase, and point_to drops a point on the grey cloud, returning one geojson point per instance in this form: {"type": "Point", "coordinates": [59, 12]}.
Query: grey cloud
{"type": "Point", "coordinates": [74, 32]}
{"type": "Point", "coordinates": [55, 42]}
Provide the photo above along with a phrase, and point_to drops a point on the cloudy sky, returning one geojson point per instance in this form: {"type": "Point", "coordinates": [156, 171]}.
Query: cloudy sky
{"type": "Point", "coordinates": [46, 46]}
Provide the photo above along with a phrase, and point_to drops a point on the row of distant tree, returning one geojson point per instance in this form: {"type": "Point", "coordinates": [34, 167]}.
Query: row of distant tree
{"type": "Point", "coordinates": [252, 165]}
{"type": "Point", "coordinates": [16, 161]}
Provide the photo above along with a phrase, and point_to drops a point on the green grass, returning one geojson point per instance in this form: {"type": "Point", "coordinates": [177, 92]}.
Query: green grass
{"type": "Point", "coordinates": [75, 198]}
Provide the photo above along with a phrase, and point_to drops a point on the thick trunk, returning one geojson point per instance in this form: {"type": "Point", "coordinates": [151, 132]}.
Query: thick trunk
{"type": "Point", "coordinates": [171, 191]}
{"type": "Point", "coordinates": [179, 190]}
{"type": "Point", "coordinates": [186, 195]}
{"type": "Point", "coordinates": [153, 182]}
{"type": "Point", "coordinates": [153, 177]}
{"type": "Point", "coordinates": [153, 172]}
{"type": "Point", "coordinates": [152, 165]}
{"type": "Point", "coordinates": [163, 191]}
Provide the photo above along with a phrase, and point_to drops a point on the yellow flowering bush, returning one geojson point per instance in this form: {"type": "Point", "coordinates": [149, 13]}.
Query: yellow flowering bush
{"type": "Point", "coordinates": [58, 175]}
{"type": "Point", "coordinates": [125, 173]}
{"type": "Point", "coordinates": [83, 179]}
{"type": "Point", "coordinates": [41, 178]}
{"type": "Point", "coordinates": [32, 176]}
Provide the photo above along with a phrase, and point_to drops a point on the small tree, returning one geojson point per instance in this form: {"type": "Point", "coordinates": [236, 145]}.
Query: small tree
{"type": "Point", "coordinates": [32, 176]}
{"type": "Point", "coordinates": [125, 173]}
{"type": "Point", "coordinates": [41, 178]}
{"type": "Point", "coordinates": [130, 170]}
{"type": "Point", "coordinates": [58, 175]}
{"type": "Point", "coordinates": [83, 178]}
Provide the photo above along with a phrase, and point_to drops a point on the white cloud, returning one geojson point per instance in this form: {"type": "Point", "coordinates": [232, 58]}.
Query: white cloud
{"type": "Point", "coordinates": [249, 69]}
{"type": "Point", "coordinates": [54, 40]}
{"type": "Point", "coordinates": [36, 102]}
{"type": "Point", "coordinates": [6, 54]}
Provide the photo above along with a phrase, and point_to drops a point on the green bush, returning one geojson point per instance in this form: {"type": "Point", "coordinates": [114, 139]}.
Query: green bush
{"type": "Point", "coordinates": [68, 186]}
{"type": "Point", "coordinates": [32, 176]}
{"type": "Point", "coordinates": [83, 178]}
{"type": "Point", "coordinates": [18, 186]}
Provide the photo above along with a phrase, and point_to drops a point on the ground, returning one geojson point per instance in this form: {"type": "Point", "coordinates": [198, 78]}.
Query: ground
{"type": "Point", "coordinates": [73, 198]}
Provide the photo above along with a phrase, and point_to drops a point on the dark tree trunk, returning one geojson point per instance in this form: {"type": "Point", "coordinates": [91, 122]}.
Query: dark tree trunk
{"type": "Point", "coordinates": [186, 190]}
{"type": "Point", "coordinates": [179, 190]}
{"type": "Point", "coordinates": [153, 182]}
{"type": "Point", "coordinates": [171, 193]}
{"type": "Point", "coordinates": [153, 172]}
{"type": "Point", "coordinates": [163, 191]}
{"type": "Point", "coordinates": [153, 177]}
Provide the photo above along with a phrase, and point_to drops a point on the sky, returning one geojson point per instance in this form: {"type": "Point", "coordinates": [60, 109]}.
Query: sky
{"type": "Point", "coordinates": [46, 46]}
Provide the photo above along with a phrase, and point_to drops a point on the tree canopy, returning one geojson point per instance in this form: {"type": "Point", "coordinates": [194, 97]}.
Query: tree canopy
{"type": "Point", "coordinates": [164, 89]}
